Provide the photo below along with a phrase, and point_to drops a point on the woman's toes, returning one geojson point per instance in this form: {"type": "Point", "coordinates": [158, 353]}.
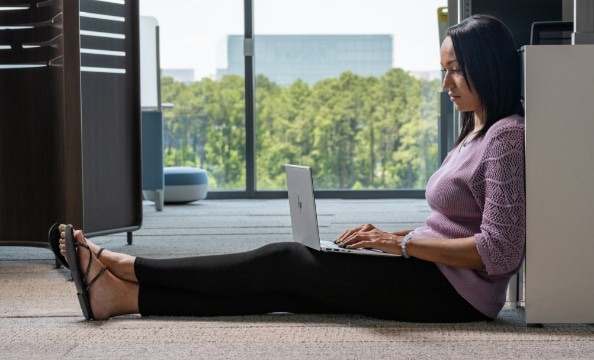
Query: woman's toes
{"type": "Point", "coordinates": [62, 247]}
{"type": "Point", "coordinates": [78, 235]}
{"type": "Point", "coordinates": [80, 238]}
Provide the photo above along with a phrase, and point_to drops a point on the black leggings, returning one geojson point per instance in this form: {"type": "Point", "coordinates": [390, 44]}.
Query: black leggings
{"type": "Point", "coordinates": [288, 277]}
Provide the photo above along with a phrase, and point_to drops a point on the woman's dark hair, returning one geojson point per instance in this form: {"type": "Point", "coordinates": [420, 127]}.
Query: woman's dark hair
{"type": "Point", "coordinates": [488, 57]}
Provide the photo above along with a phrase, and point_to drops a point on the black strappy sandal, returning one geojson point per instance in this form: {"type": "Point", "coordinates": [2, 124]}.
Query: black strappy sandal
{"type": "Point", "coordinates": [79, 279]}
{"type": "Point", "coordinates": [54, 239]}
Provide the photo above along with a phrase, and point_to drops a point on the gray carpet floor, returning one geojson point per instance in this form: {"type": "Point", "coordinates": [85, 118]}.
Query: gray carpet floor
{"type": "Point", "coordinates": [40, 317]}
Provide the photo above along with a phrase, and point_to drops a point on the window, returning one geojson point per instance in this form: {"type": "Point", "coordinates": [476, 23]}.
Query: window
{"type": "Point", "coordinates": [349, 88]}
{"type": "Point", "coordinates": [203, 111]}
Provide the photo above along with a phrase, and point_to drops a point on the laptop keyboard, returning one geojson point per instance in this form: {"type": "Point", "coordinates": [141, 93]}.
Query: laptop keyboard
{"type": "Point", "coordinates": [329, 245]}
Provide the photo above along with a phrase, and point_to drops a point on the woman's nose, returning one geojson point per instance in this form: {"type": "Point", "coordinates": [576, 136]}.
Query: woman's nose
{"type": "Point", "coordinates": [447, 82]}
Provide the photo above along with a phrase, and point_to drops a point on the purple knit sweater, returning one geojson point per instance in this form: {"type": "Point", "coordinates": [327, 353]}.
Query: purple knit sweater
{"type": "Point", "coordinates": [479, 191]}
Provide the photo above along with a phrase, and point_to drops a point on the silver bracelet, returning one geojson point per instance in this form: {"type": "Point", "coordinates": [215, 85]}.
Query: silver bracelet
{"type": "Point", "coordinates": [403, 244]}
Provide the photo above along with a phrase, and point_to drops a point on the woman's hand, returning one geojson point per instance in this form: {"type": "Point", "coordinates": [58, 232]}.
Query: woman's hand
{"type": "Point", "coordinates": [461, 252]}
{"type": "Point", "coordinates": [369, 237]}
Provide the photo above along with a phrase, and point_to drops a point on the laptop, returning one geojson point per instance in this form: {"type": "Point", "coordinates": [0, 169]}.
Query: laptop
{"type": "Point", "coordinates": [304, 218]}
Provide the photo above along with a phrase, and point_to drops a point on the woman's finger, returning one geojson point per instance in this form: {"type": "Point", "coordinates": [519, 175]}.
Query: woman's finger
{"type": "Point", "coordinates": [348, 233]}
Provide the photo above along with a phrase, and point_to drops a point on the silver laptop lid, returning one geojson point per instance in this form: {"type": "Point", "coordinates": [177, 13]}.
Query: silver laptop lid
{"type": "Point", "coordinates": [304, 219]}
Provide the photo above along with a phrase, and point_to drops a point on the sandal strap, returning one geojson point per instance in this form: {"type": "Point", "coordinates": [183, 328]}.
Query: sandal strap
{"type": "Point", "coordinates": [99, 253]}
{"type": "Point", "coordinates": [88, 270]}
{"type": "Point", "coordinates": [99, 274]}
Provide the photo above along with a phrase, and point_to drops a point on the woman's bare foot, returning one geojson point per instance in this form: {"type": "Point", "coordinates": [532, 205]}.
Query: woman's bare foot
{"type": "Point", "coordinates": [120, 265]}
{"type": "Point", "coordinates": [109, 295]}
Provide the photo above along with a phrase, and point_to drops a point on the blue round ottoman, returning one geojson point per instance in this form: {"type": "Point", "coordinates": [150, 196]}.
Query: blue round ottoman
{"type": "Point", "coordinates": [184, 184]}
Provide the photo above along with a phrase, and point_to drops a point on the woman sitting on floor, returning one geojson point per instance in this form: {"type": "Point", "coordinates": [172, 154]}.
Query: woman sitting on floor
{"type": "Point", "coordinates": [456, 268]}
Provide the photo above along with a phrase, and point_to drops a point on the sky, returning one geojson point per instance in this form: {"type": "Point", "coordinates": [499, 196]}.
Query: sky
{"type": "Point", "coordinates": [193, 31]}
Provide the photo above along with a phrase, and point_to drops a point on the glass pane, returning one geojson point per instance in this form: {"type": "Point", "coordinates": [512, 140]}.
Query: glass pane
{"type": "Point", "coordinates": [349, 88]}
{"type": "Point", "coordinates": [203, 109]}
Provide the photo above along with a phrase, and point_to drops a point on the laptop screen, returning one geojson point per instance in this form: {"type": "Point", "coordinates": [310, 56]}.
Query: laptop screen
{"type": "Point", "coordinates": [304, 219]}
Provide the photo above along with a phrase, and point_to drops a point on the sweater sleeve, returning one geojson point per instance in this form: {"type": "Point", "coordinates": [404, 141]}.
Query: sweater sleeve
{"type": "Point", "coordinates": [501, 241]}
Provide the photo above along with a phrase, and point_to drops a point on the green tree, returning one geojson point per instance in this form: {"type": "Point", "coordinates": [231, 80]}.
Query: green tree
{"type": "Point", "coordinates": [225, 144]}
{"type": "Point", "coordinates": [396, 124]}
{"type": "Point", "coordinates": [280, 135]}
{"type": "Point", "coordinates": [356, 132]}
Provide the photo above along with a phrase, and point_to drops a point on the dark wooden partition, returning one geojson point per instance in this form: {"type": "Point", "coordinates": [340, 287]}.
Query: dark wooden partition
{"type": "Point", "coordinates": [69, 118]}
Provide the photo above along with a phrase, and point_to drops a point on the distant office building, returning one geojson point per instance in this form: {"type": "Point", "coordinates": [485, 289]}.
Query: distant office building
{"type": "Point", "coordinates": [185, 76]}
{"type": "Point", "coordinates": [285, 58]}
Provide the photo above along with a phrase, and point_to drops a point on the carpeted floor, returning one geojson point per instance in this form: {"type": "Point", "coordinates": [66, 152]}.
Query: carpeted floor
{"type": "Point", "coordinates": [40, 317]}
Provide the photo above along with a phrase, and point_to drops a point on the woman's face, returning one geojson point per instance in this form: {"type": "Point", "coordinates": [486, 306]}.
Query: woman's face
{"type": "Point", "coordinates": [460, 94]}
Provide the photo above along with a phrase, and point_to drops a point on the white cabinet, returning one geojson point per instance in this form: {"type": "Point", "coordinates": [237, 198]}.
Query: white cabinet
{"type": "Point", "coordinates": [559, 94]}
